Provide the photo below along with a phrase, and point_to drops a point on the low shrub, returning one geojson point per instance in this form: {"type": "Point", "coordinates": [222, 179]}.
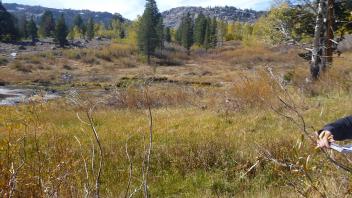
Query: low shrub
{"type": "Point", "coordinates": [115, 51]}
{"type": "Point", "coordinates": [3, 60]}
{"type": "Point", "coordinates": [48, 55]}
{"type": "Point", "coordinates": [73, 54]}
{"type": "Point", "coordinates": [19, 66]}
{"type": "Point", "coordinates": [34, 59]}
{"type": "Point", "coordinates": [256, 91]}
{"type": "Point", "coordinates": [134, 98]}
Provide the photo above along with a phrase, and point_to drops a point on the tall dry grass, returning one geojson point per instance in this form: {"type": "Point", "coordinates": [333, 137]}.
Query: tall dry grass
{"type": "Point", "coordinates": [203, 147]}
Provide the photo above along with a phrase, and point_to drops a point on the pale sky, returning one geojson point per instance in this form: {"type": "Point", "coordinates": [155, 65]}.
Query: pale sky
{"type": "Point", "coordinates": [131, 8]}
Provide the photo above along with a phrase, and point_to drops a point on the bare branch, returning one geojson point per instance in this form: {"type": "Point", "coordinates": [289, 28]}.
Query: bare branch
{"type": "Point", "coordinates": [149, 149]}
{"type": "Point", "coordinates": [130, 169]}
{"type": "Point", "coordinates": [86, 188]}
{"type": "Point", "coordinates": [92, 125]}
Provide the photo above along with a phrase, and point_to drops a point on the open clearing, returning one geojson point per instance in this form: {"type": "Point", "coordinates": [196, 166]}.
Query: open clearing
{"type": "Point", "coordinates": [214, 122]}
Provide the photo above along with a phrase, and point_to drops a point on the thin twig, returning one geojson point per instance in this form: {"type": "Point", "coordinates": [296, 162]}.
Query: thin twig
{"type": "Point", "coordinates": [149, 149]}
{"type": "Point", "coordinates": [130, 169]}
{"type": "Point", "coordinates": [87, 188]}
{"type": "Point", "coordinates": [92, 125]}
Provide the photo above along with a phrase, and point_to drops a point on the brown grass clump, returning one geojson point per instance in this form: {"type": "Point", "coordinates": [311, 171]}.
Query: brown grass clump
{"type": "Point", "coordinates": [255, 55]}
{"type": "Point", "coordinates": [115, 51]}
{"type": "Point", "coordinates": [254, 91]}
{"type": "Point", "coordinates": [3, 60]}
{"type": "Point", "coordinates": [74, 54]}
{"type": "Point", "coordinates": [134, 97]}
{"type": "Point", "coordinates": [19, 66]}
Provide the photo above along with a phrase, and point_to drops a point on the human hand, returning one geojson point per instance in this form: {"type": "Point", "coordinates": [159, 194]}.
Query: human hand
{"type": "Point", "coordinates": [325, 138]}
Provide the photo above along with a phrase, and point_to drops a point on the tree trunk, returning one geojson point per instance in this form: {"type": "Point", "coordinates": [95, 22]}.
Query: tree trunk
{"type": "Point", "coordinates": [148, 59]}
{"type": "Point", "coordinates": [316, 58]}
{"type": "Point", "coordinates": [324, 38]}
{"type": "Point", "coordinates": [330, 31]}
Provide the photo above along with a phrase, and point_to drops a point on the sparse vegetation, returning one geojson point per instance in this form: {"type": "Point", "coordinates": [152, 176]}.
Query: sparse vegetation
{"type": "Point", "coordinates": [3, 60]}
{"type": "Point", "coordinates": [231, 116]}
{"type": "Point", "coordinates": [19, 66]}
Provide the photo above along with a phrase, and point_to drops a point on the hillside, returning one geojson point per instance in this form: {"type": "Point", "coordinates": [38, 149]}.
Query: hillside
{"type": "Point", "coordinates": [37, 11]}
{"type": "Point", "coordinates": [173, 17]}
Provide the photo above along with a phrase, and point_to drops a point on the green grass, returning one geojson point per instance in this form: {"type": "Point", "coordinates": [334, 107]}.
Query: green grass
{"type": "Point", "coordinates": [3, 60]}
{"type": "Point", "coordinates": [196, 153]}
{"type": "Point", "coordinates": [202, 146]}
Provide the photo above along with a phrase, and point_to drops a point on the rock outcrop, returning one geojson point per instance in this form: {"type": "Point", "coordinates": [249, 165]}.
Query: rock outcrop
{"type": "Point", "coordinates": [172, 18]}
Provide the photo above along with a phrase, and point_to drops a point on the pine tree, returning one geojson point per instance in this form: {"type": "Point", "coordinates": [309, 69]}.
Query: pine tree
{"type": "Point", "coordinates": [90, 29]}
{"type": "Point", "coordinates": [223, 31]}
{"type": "Point", "coordinates": [199, 29]}
{"type": "Point", "coordinates": [187, 32]}
{"type": "Point", "coordinates": [168, 34]}
{"type": "Point", "coordinates": [160, 33]}
{"type": "Point", "coordinates": [207, 37]}
{"type": "Point", "coordinates": [214, 33]}
{"type": "Point", "coordinates": [21, 24]}
{"type": "Point", "coordinates": [78, 22]}
{"type": "Point", "coordinates": [178, 36]}
{"type": "Point", "coordinates": [147, 34]}
{"type": "Point", "coordinates": [32, 30]}
{"type": "Point", "coordinates": [61, 31]}
{"type": "Point", "coordinates": [47, 25]}
{"type": "Point", "coordinates": [8, 30]}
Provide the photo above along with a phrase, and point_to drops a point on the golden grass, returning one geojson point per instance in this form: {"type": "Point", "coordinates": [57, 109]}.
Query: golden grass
{"type": "Point", "coordinates": [196, 152]}
{"type": "Point", "coordinates": [203, 146]}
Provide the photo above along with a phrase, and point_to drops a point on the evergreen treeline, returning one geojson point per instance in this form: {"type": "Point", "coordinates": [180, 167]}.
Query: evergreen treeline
{"type": "Point", "coordinates": [149, 33]}
{"type": "Point", "coordinates": [8, 32]}
{"type": "Point", "coordinates": [203, 32]}
{"type": "Point", "coordinates": [16, 28]}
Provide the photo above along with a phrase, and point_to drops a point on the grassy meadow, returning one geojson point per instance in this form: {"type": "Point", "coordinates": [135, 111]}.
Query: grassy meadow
{"type": "Point", "coordinates": [220, 128]}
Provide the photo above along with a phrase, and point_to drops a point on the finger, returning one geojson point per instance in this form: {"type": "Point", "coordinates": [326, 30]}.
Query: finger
{"type": "Point", "coordinates": [316, 133]}
{"type": "Point", "coordinates": [327, 144]}
{"type": "Point", "coordinates": [321, 135]}
{"type": "Point", "coordinates": [320, 144]}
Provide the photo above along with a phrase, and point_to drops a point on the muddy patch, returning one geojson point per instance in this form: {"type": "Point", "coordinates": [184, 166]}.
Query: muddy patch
{"type": "Point", "coordinates": [13, 96]}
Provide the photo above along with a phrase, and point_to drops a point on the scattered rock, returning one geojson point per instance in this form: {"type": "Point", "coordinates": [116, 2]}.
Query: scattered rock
{"type": "Point", "coordinates": [172, 18]}
{"type": "Point", "coordinates": [67, 67]}
{"type": "Point", "coordinates": [21, 47]}
{"type": "Point", "coordinates": [79, 43]}
{"type": "Point", "coordinates": [206, 73]}
{"type": "Point", "coordinates": [42, 82]}
{"type": "Point", "coordinates": [13, 55]}
{"type": "Point", "coordinates": [67, 77]}
{"type": "Point", "coordinates": [3, 83]}
{"type": "Point", "coordinates": [191, 74]}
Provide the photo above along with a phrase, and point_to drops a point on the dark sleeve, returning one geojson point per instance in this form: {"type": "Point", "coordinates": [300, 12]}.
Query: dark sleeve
{"type": "Point", "coordinates": [340, 129]}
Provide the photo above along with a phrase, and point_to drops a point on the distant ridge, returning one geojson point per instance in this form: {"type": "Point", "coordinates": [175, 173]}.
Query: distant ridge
{"type": "Point", "coordinates": [37, 11]}
{"type": "Point", "coordinates": [172, 18]}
